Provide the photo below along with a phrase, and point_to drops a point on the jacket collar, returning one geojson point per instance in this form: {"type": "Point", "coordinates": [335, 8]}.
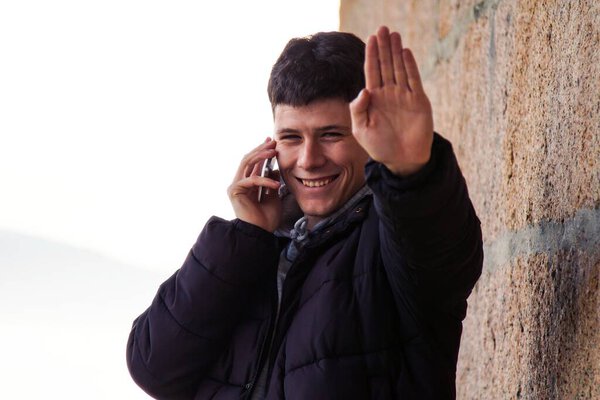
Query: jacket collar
{"type": "Point", "coordinates": [354, 209]}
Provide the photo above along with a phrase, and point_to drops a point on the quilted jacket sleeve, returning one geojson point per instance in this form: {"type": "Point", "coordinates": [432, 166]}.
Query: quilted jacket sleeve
{"type": "Point", "coordinates": [430, 243]}
{"type": "Point", "coordinates": [175, 341]}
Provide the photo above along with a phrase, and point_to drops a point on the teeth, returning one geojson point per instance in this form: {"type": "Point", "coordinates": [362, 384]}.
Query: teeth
{"type": "Point", "coordinates": [313, 183]}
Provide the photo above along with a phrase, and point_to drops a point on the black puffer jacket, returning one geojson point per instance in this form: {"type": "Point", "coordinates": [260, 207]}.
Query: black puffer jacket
{"type": "Point", "coordinates": [371, 310]}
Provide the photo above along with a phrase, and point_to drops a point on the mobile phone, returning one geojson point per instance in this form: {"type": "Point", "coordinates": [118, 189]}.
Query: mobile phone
{"type": "Point", "coordinates": [265, 172]}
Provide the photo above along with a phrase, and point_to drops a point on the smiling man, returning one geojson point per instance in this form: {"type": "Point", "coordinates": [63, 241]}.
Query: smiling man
{"type": "Point", "coordinates": [349, 279]}
{"type": "Point", "coordinates": [320, 161]}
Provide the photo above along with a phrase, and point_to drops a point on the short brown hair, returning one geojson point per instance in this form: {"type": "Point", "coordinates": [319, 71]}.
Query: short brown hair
{"type": "Point", "coordinates": [322, 66]}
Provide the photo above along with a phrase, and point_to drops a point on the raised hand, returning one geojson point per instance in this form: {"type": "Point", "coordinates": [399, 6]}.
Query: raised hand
{"type": "Point", "coordinates": [243, 192]}
{"type": "Point", "coordinates": [392, 118]}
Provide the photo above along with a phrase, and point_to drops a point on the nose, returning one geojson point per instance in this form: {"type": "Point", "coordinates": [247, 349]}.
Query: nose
{"type": "Point", "coordinates": [311, 155]}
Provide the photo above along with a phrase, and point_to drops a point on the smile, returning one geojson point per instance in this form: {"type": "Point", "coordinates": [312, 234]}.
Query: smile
{"type": "Point", "coordinates": [317, 182]}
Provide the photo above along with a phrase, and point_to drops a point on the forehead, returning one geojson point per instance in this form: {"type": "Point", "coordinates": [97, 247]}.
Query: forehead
{"type": "Point", "coordinates": [316, 114]}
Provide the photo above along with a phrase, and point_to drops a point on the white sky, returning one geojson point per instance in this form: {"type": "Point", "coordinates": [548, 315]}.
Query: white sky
{"type": "Point", "coordinates": [122, 122]}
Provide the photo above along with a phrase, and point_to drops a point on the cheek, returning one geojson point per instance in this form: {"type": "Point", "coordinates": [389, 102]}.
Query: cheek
{"type": "Point", "coordinates": [285, 159]}
{"type": "Point", "coordinates": [353, 158]}
{"type": "Point", "coordinates": [359, 155]}
{"type": "Point", "coordinates": [285, 165]}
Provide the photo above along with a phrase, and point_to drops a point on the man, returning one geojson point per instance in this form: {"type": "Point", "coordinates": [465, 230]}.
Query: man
{"type": "Point", "coordinates": [359, 296]}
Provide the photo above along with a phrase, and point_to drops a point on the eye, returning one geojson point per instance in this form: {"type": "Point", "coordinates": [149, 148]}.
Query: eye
{"type": "Point", "coordinates": [290, 137]}
{"type": "Point", "coordinates": [332, 135]}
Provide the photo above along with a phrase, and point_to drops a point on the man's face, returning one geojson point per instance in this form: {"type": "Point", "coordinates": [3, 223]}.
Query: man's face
{"type": "Point", "coordinates": [319, 159]}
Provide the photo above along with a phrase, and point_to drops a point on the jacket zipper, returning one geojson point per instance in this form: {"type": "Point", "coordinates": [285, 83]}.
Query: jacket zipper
{"type": "Point", "coordinates": [272, 333]}
{"type": "Point", "coordinates": [283, 307]}
{"type": "Point", "coordinates": [249, 387]}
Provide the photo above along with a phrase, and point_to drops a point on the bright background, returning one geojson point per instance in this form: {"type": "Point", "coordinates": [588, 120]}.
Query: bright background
{"type": "Point", "coordinates": [121, 126]}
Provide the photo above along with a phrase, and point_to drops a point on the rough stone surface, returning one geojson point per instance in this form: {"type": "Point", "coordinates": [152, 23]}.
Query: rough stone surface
{"type": "Point", "coordinates": [533, 330]}
{"type": "Point", "coordinates": [515, 85]}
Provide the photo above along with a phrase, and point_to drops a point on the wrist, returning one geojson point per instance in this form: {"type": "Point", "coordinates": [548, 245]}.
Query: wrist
{"type": "Point", "coordinates": [409, 159]}
{"type": "Point", "coordinates": [405, 169]}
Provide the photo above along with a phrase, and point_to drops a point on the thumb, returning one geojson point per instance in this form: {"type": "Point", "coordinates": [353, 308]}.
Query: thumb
{"type": "Point", "coordinates": [358, 109]}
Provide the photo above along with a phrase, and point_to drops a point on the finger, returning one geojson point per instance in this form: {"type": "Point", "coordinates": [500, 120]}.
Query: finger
{"type": "Point", "coordinates": [267, 144]}
{"type": "Point", "coordinates": [274, 175]}
{"type": "Point", "coordinates": [399, 65]}
{"type": "Point", "coordinates": [412, 72]}
{"type": "Point", "coordinates": [257, 168]}
{"type": "Point", "coordinates": [372, 71]}
{"type": "Point", "coordinates": [265, 150]}
{"type": "Point", "coordinates": [359, 110]}
{"type": "Point", "coordinates": [253, 162]}
{"type": "Point", "coordinates": [253, 182]}
{"type": "Point", "coordinates": [385, 55]}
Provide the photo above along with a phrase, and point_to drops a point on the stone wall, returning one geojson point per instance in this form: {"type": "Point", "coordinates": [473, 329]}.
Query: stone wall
{"type": "Point", "coordinates": [515, 85]}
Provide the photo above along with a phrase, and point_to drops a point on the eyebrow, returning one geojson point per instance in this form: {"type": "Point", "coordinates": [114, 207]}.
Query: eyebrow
{"type": "Point", "coordinates": [319, 129]}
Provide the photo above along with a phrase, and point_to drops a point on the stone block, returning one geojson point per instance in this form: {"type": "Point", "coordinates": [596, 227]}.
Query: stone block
{"type": "Point", "coordinates": [552, 145]}
{"type": "Point", "coordinates": [531, 330]}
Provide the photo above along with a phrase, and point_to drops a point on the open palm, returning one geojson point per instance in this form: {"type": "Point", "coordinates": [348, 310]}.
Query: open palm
{"type": "Point", "coordinates": [392, 118]}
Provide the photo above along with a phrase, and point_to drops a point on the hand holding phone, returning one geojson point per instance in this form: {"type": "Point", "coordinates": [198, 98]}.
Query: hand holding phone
{"type": "Point", "coordinates": [247, 184]}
